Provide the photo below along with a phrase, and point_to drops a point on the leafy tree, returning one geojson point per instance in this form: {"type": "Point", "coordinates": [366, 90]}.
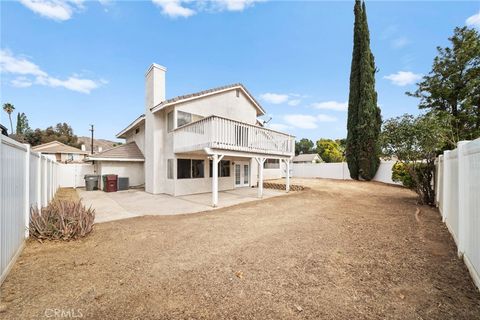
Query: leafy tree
{"type": "Point", "coordinates": [62, 132]}
{"type": "Point", "coordinates": [364, 119]}
{"type": "Point", "coordinates": [416, 141]}
{"type": "Point", "coordinates": [8, 108]}
{"type": "Point", "coordinates": [22, 124]}
{"type": "Point", "coordinates": [303, 146]}
{"type": "Point", "coordinates": [453, 84]}
{"type": "Point", "coordinates": [329, 150]}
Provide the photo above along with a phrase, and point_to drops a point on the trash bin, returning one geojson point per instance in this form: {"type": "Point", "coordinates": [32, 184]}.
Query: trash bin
{"type": "Point", "coordinates": [123, 183]}
{"type": "Point", "coordinates": [91, 182]}
{"type": "Point", "coordinates": [110, 183]}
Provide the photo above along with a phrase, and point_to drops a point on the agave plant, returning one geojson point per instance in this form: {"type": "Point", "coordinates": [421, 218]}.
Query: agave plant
{"type": "Point", "coordinates": [61, 220]}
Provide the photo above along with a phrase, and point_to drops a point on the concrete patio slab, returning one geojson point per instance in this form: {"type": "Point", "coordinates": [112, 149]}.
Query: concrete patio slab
{"type": "Point", "coordinates": [134, 203]}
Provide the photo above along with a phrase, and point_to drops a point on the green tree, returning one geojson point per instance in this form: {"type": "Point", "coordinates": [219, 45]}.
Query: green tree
{"type": "Point", "coordinates": [329, 150]}
{"type": "Point", "coordinates": [303, 146]}
{"type": "Point", "coordinates": [8, 108]}
{"type": "Point", "coordinates": [62, 132]}
{"type": "Point", "coordinates": [22, 124]}
{"type": "Point", "coordinates": [453, 84]}
{"type": "Point", "coordinates": [364, 119]}
{"type": "Point", "coordinates": [416, 142]}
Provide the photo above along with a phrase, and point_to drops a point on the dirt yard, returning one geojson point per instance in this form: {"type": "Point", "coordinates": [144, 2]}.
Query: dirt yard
{"type": "Point", "coordinates": [340, 250]}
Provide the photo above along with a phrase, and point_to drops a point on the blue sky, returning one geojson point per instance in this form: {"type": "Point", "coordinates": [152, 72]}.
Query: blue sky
{"type": "Point", "coordinates": [84, 62]}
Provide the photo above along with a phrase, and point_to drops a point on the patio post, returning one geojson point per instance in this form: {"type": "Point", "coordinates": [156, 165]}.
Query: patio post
{"type": "Point", "coordinates": [214, 180]}
{"type": "Point", "coordinates": [260, 162]}
{"type": "Point", "coordinates": [287, 175]}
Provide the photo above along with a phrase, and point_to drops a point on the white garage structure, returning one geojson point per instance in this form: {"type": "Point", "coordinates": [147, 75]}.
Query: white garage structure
{"type": "Point", "coordinates": [125, 161]}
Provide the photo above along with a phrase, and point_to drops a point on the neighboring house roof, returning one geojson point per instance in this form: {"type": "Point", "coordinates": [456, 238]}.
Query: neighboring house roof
{"type": "Point", "coordinates": [205, 93]}
{"type": "Point", "coordinates": [307, 157]}
{"type": "Point", "coordinates": [56, 147]}
{"type": "Point", "coordinates": [124, 152]}
{"type": "Point", "coordinates": [132, 125]}
{"type": "Point", "coordinates": [101, 144]}
{"type": "Point", "coordinates": [3, 130]}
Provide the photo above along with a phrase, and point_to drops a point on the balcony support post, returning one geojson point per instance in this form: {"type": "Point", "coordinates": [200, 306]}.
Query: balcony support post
{"type": "Point", "coordinates": [287, 175]}
{"type": "Point", "coordinates": [260, 162]}
{"type": "Point", "coordinates": [216, 158]}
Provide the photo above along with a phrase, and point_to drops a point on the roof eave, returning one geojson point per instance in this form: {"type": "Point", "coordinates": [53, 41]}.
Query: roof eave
{"type": "Point", "coordinates": [121, 134]}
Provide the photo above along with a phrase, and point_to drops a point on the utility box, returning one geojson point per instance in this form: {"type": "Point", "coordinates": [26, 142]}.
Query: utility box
{"type": "Point", "coordinates": [123, 183]}
{"type": "Point", "coordinates": [91, 182]}
{"type": "Point", "coordinates": [110, 182]}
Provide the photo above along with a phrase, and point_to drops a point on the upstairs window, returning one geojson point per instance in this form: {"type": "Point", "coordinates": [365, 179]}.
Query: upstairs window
{"type": "Point", "coordinates": [184, 118]}
{"type": "Point", "coordinates": [170, 121]}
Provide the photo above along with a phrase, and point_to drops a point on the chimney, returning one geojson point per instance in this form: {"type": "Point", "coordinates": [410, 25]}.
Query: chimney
{"type": "Point", "coordinates": [154, 86]}
{"type": "Point", "coordinates": [83, 147]}
{"type": "Point", "coordinates": [100, 149]}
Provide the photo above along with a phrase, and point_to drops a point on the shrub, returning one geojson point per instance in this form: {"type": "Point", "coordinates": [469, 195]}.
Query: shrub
{"type": "Point", "coordinates": [400, 173]}
{"type": "Point", "coordinates": [61, 220]}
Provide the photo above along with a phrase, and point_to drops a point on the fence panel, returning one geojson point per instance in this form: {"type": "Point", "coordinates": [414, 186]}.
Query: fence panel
{"type": "Point", "coordinates": [26, 179]}
{"type": "Point", "coordinates": [13, 205]}
{"type": "Point", "coordinates": [457, 190]}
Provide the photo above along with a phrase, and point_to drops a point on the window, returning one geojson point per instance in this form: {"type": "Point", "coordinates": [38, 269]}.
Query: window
{"type": "Point", "coordinates": [170, 169]}
{"type": "Point", "coordinates": [188, 168]}
{"type": "Point", "coordinates": [223, 168]}
{"type": "Point", "coordinates": [198, 169]}
{"type": "Point", "coordinates": [271, 164]}
{"type": "Point", "coordinates": [137, 130]}
{"type": "Point", "coordinates": [170, 121]}
{"type": "Point", "coordinates": [184, 118]}
{"type": "Point", "coordinates": [70, 157]}
{"type": "Point", "coordinates": [184, 168]}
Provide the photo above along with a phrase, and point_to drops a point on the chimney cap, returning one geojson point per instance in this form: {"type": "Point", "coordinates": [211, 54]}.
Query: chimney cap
{"type": "Point", "coordinates": [155, 65]}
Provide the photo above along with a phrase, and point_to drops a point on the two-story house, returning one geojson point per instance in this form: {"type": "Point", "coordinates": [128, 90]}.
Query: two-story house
{"type": "Point", "coordinates": [201, 142]}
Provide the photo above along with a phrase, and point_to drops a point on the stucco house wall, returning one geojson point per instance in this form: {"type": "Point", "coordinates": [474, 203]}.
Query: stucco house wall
{"type": "Point", "coordinates": [133, 170]}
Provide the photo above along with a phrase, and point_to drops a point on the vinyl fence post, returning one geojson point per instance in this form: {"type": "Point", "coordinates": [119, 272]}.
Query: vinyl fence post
{"type": "Point", "coordinates": [446, 184]}
{"type": "Point", "coordinates": [27, 190]}
{"type": "Point", "coordinates": [463, 196]}
{"type": "Point", "coordinates": [39, 182]}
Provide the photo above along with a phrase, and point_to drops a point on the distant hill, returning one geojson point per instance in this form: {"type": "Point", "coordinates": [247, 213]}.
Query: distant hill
{"type": "Point", "coordinates": [102, 143]}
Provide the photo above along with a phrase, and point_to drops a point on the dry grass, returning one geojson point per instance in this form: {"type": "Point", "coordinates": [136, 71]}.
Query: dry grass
{"type": "Point", "coordinates": [339, 250]}
{"type": "Point", "coordinates": [68, 194]}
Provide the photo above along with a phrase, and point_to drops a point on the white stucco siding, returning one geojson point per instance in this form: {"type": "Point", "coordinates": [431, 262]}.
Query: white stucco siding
{"type": "Point", "coordinates": [133, 170]}
{"type": "Point", "coordinates": [138, 138]}
{"type": "Point", "coordinates": [225, 104]}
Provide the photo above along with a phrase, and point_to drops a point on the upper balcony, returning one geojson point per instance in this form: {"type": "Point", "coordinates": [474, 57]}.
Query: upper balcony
{"type": "Point", "coordinates": [221, 133]}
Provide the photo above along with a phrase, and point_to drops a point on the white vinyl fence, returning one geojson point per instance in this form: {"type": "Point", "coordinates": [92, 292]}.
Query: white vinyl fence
{"type": "Point", "coordinates": [72, 175]}
{"type": "Point", "coordinates": [339, 170]}
{"type": "Point", "coordinates": [458, 198]}
{"type": "Point", "coordinates": [26, 179]}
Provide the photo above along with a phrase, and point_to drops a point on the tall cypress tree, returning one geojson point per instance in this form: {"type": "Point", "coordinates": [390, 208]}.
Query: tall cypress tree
{"type": "Point", "coordinates": [364, 119]}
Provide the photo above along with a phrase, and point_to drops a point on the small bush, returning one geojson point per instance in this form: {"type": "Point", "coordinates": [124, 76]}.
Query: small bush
{"type": "Point", "coordinates": [61, 220]}
{"type": "Point", "coordinates": [400, 173]}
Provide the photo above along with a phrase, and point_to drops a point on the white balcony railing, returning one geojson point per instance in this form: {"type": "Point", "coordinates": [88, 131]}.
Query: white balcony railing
{"type": "Point", "coordinates": [221, 133]}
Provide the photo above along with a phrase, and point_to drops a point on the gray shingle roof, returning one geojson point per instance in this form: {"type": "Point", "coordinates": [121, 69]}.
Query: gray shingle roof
{"type": "Point", "coordinates": [307, 157]}
{"type": "Point", "coordinates": [56, 147]}
{"type": "Point", "coordinates": [124, 151]}
{"type": "Point", "coordinates": [212, 90]}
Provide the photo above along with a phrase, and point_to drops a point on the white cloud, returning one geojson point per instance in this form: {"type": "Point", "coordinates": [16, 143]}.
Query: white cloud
{"type": "Point", "coordinates": [326, 118]}
{"type": "Point", "coordinates": [236, 5]}
{"type": "Point", "coordinates": [279, 126]}
{"type": "Point", "coordinates": [174, 8]}
{"type": "Point", "coordinates": [294, 102]}
{"type": "Point", "coordinates": [187, 8]}
{"type": "Point", "coordinates": [21, 82]}
{"type": "Point", "coordinates": [331, 105]}
{"type": "Point", "coordinates": [302, 121]}
{"type": "Point", "coordinates": [473, 21]}
{"type": "Point", "coordinates": [59, 10]}
{"type": "Point", "coordinates": [274, 98]}
{"type": "Point", "coordinates": [403, 78]}
{"type": "Point", "coordinates": [21, 66]}
{"type": "Point", "coordinates": [400, 42]}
